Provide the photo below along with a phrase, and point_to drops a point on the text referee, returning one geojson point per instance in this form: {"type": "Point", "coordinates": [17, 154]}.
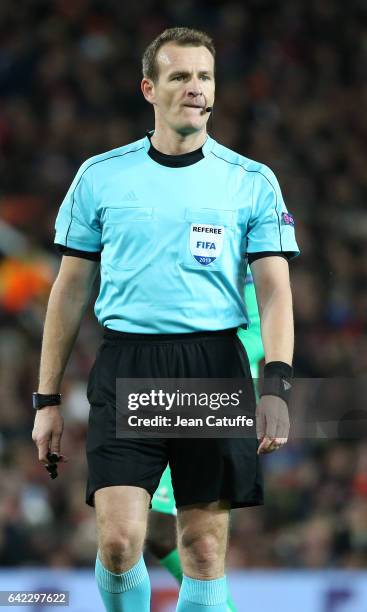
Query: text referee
{"type": "Point", "coordinates": [170, 220]}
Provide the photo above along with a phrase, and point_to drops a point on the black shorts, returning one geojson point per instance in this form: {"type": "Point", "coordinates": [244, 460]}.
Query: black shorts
{"type": "Point", "coordinates": [203, 470]}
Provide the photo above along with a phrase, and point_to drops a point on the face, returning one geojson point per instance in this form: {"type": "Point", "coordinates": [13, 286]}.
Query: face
{"type": "Point", "coordinates": [184, 88]}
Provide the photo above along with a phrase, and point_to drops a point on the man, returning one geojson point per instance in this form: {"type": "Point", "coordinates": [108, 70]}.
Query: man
{"type": "Point", "coordinates": [171, 301]}
{"type": "Point", "coordinates": [161, 538]}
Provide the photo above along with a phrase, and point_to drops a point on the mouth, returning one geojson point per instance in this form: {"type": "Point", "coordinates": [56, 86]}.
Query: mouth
{"type": "Point", "coordinates": [193, 106]}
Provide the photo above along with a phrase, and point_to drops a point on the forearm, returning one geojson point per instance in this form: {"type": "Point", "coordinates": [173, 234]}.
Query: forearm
{"type": "Point", "coordinates": [64, 314]}
{"type": "Point", "coordinates": [277, 328]}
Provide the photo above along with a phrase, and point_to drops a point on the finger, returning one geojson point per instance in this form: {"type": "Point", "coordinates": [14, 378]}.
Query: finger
{"type": "Point", "coordinates": [55, 458]}
{"type": "Point", "coordinates": [264, 445]}
{"type": "Point", "coordinates": [273, 446]}
{"type": "Point", "coordinates": [63, 459]}
{"type": "Point", "coordinates": [276, 444]}
{"type": "Point", "coordinates": [55, 443]}
{"type": "Point", "coordinates": [55, 448]}
{"type": "Point", "coordinates": [42, 451]}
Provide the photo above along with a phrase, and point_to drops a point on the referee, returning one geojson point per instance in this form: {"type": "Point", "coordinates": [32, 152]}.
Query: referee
{"type": "Point", "coordinates": [170, 221]}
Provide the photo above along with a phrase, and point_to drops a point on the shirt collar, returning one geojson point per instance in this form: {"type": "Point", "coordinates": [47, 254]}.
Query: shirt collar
{"type": "Point", "coordinates": [177, 161]}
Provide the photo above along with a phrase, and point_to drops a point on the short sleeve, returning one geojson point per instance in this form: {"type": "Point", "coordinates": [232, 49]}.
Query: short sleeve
{"type": "Point", "coordinates": [271, 226]}
{"type": "Point", "coordinates": [77, 224]}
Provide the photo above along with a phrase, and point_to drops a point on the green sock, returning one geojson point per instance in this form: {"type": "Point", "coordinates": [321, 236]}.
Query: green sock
{"type": "Point", "coordinates": [230, 603]}
{"type": "Point", "coordinates": [172, 563]}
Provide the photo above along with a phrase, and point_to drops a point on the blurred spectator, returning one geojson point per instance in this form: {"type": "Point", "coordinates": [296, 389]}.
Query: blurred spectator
{"type": "Point", "coordinates": [290, 93]}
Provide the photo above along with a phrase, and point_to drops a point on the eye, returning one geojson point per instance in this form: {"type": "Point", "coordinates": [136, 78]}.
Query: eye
{"type": "Point", "coordinates": [179, 77]}
{"type": "Point", "coordinates": [205, 77]}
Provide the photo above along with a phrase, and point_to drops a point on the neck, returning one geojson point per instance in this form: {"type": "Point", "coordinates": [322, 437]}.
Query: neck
{"type": "Point", "coordinates": [172, 143]}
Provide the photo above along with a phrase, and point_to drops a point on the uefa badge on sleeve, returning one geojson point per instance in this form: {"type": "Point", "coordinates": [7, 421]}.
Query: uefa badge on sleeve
{"type": "Point", "coordinates": [206, 242]}
{"type": "Point", "coordinates": [287, 219]}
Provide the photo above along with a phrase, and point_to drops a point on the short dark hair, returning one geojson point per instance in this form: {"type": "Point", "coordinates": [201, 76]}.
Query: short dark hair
{"type": "Point", "coordinates": [185, 37]}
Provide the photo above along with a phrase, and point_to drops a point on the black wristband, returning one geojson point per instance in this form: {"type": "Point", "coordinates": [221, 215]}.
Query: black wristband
{"type": "Point", "coordinates": [41, 400]}
{"type": "Point", "coordinates": [277, 380]}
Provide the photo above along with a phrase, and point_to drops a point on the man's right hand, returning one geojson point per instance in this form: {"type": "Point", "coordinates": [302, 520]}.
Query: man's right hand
{"type": "Point", "coordinates": [47, 432]}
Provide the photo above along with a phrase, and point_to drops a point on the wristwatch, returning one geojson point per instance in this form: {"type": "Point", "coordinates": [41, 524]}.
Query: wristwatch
{"type": "Point", "coordinates": [41, 400]}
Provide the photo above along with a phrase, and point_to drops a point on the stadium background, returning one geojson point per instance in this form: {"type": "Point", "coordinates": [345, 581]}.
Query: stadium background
{"type": "Point", "coordinates": [292, 93]}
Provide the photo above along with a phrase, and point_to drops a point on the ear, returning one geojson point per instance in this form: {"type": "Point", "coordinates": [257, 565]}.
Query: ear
{"type": "Point", "coordinates": [147, 87]}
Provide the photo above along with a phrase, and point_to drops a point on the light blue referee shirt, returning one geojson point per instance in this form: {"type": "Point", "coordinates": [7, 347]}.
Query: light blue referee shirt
{"type": "Point", "coordinates": [174, 241]}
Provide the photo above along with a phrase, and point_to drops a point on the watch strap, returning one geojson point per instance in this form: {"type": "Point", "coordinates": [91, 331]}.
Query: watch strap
{"type": "Point", "coordinates": [41, 400]}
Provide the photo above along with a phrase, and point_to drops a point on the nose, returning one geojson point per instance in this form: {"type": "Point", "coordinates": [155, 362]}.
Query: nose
{"type": "Point", "coordinates": [194, 89]}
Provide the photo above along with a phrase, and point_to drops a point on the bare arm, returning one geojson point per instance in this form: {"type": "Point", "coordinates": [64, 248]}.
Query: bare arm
{"type": "Point", "coordinates": [68, 300]}
{"type": "Point", "coordinates": [274, 297]}
{"type": "Point", "coordinates": [271, 276]}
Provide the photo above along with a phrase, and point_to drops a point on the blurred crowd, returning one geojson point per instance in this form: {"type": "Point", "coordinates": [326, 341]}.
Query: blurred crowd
{"type": "Point", "coordinates": [291, 92]}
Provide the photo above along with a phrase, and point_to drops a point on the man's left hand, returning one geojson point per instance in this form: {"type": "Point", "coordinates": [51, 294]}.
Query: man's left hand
{"type": "Point", "coordinates": [272, 423]}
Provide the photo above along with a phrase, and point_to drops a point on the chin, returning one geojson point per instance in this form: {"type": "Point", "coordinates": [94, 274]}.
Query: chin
{"type": "Point", "coordinates": [191, 127]}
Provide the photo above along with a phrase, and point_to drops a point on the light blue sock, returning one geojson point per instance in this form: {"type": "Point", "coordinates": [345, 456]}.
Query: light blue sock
{"type": "Point", "coordinates": [126, 592]}
{"type": "Point", "coordinates": [202, 595]}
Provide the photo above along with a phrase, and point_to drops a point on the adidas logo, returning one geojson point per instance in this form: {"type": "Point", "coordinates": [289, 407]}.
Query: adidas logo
{"type": "Point", "coordinates": [130, 197]}
{"type": "Point", "coordinates": [286, 385]}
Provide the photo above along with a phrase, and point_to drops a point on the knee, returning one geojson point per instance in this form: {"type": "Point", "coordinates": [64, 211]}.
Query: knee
{"type": "Point", "coordinates": [119, 550]}
{"type": "Point", "coordinates": [203, 550]}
